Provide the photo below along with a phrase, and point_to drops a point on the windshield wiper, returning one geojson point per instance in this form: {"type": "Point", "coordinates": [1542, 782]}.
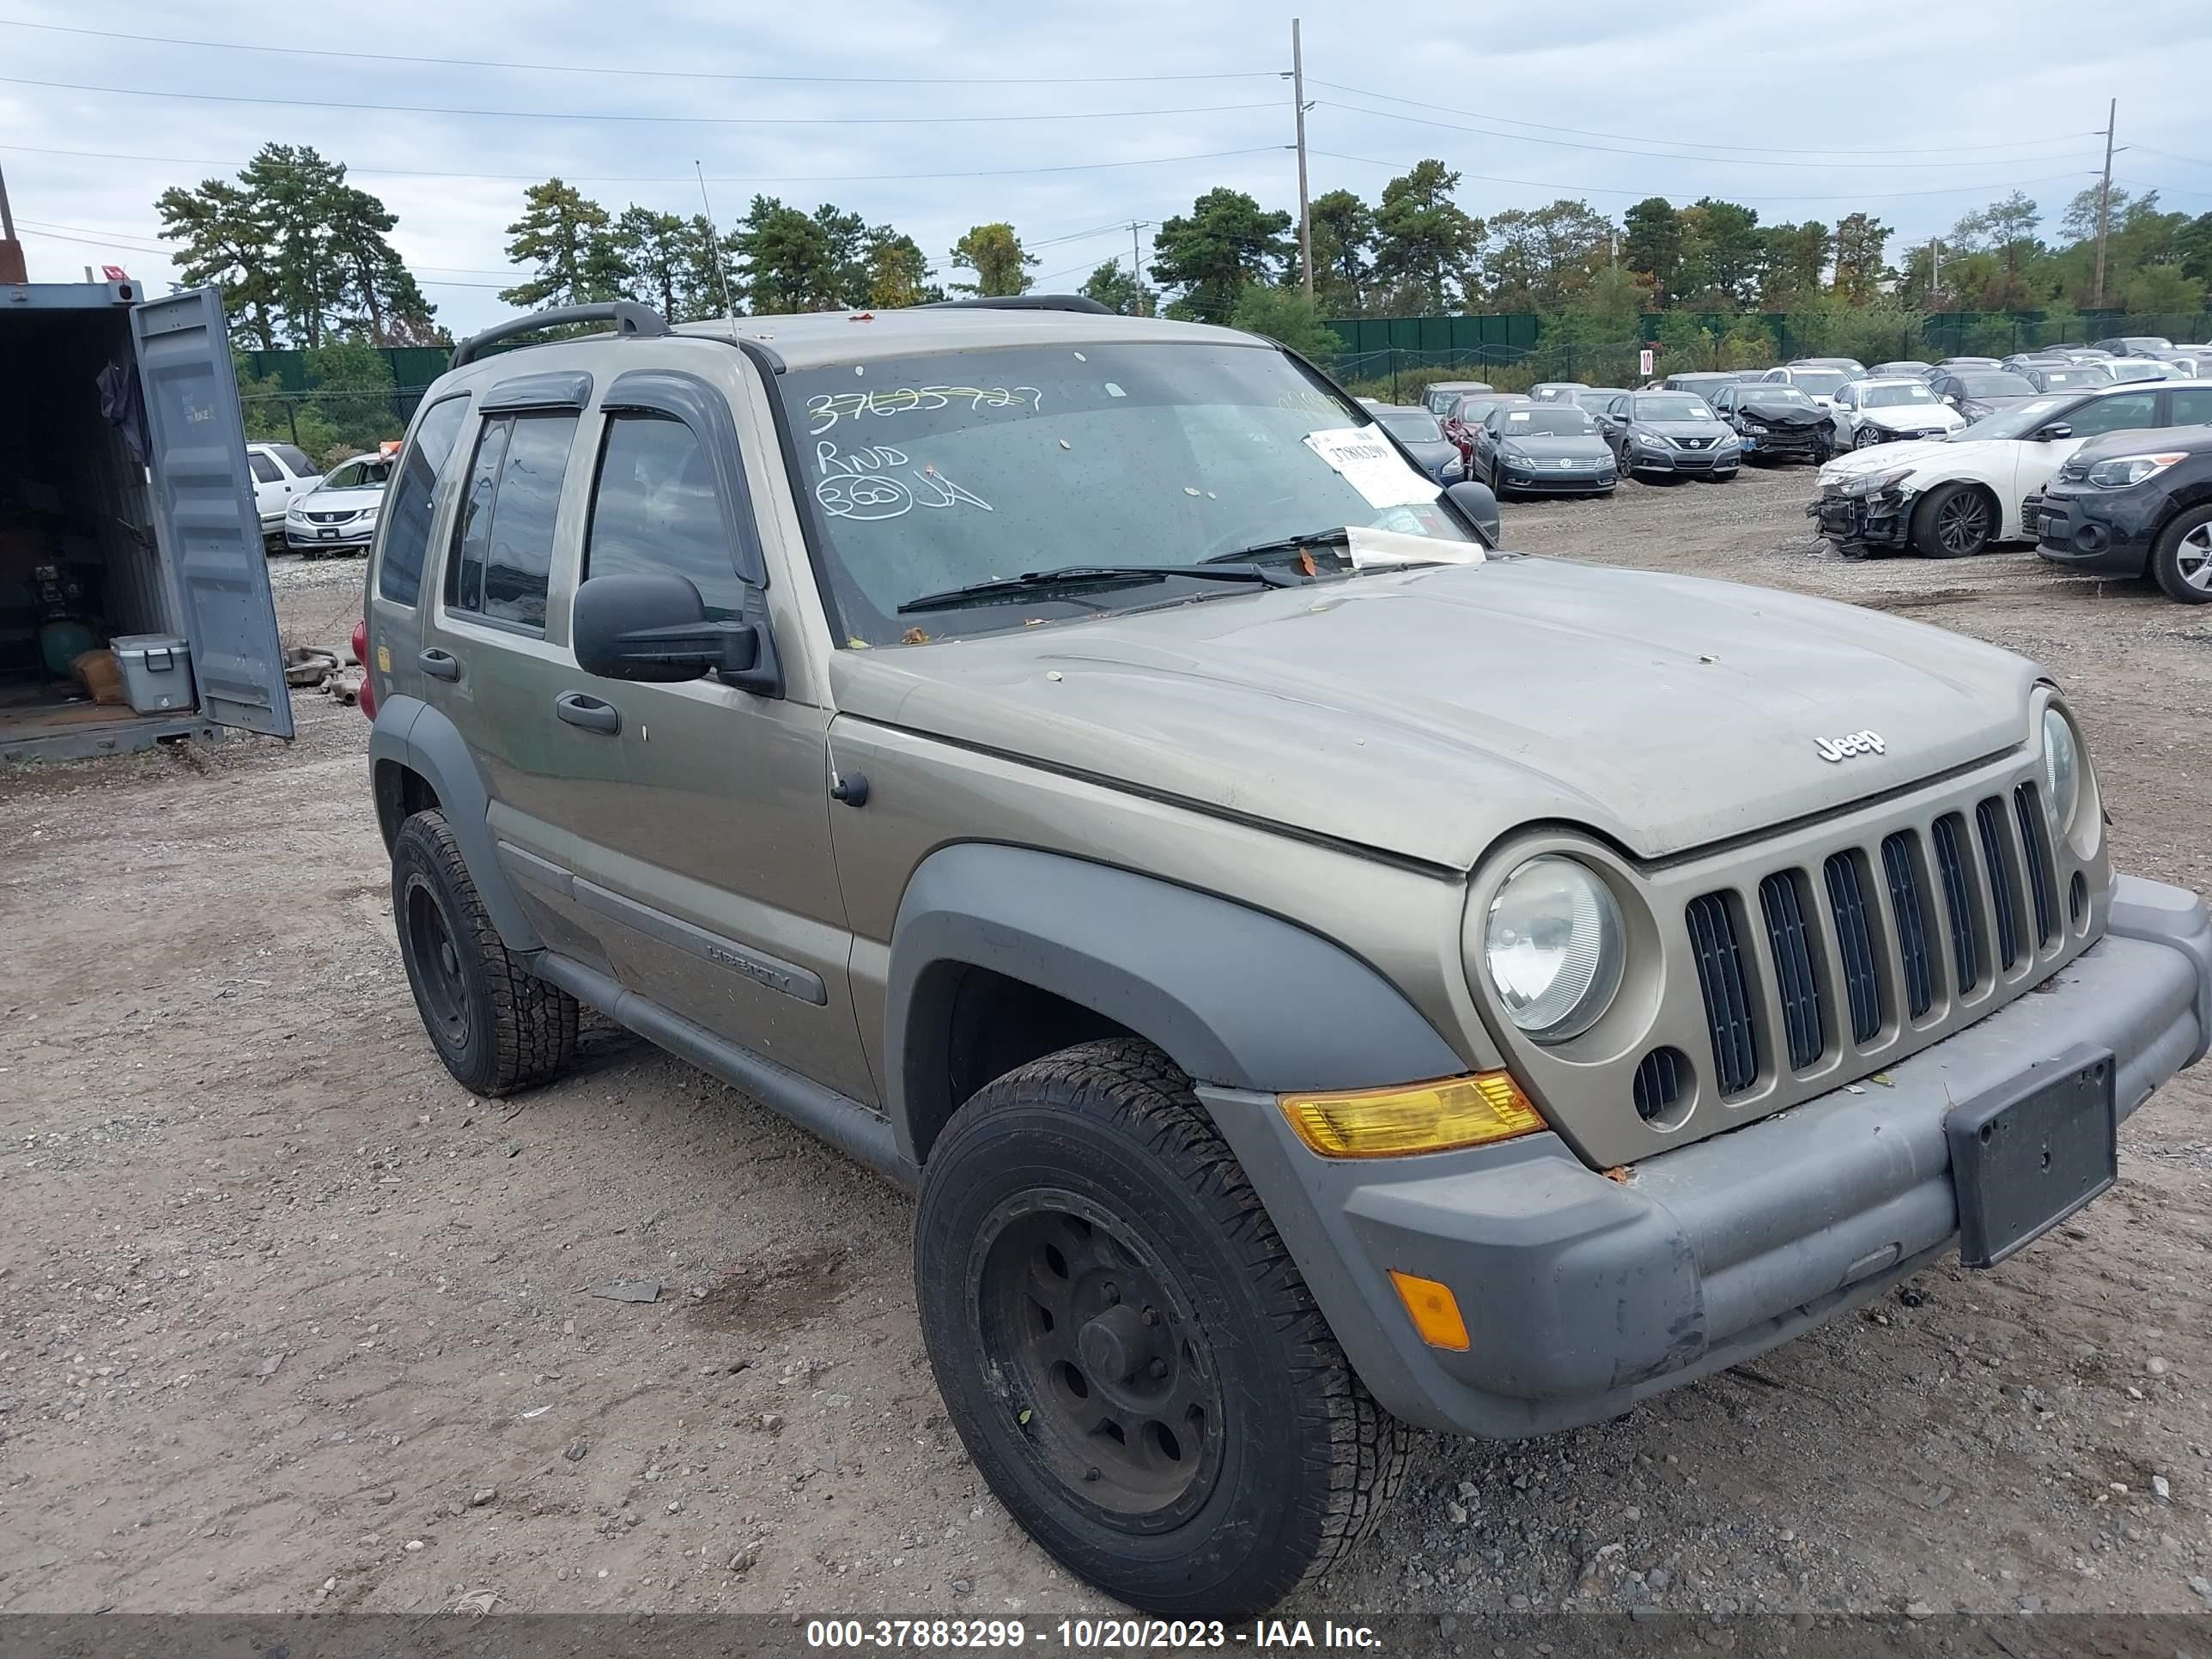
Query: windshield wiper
{"type": "Point", "coordinates": [1092, 575]}
{"type": "Point", "coordinates": [1335, 536]}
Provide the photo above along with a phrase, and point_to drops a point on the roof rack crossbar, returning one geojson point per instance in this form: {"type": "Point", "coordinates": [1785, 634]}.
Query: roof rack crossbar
{"type": "Point", "coordinates": [627, 315]}
{"type": "Point", "coordinates": [1026, 303]}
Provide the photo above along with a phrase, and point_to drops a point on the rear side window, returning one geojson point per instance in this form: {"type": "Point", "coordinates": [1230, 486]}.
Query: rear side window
{"type": "Point", "coordinates": [655, 509]}
{"type": "Point", "coordinates": [503, 544]}
{"type": "Point", "coordinates": [408, 508]}
{"type": "Point", "coordinates": [2192, 407]}
{"type": "Point", "coordinates": [264, 469]}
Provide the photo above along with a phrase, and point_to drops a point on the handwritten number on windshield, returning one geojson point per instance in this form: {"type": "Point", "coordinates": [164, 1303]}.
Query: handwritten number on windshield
{"type": "Point", "coordinates": [826, 410]}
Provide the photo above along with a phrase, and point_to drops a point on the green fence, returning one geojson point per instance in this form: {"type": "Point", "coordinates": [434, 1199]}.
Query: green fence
{"type": "Point", "coordinates": [414, 366]}
{"type": "Point", "coordinates": [1399, 355]}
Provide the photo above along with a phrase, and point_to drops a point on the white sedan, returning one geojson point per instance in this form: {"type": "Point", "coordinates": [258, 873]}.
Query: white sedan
{"type": "Point", "coordinates": [1948, 499]}
{"type": "Point", "coordinates": [1870, 412]}
{"type": "Point", "coordinates": [340, 515]}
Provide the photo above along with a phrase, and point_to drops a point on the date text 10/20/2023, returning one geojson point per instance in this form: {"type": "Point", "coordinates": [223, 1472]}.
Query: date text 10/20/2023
{"type": "Point", "coordinates": [1088, 1635]}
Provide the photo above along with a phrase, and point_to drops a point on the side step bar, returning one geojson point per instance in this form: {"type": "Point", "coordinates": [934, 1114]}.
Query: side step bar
{"type": "Point", "coordinates": [846, 1124]}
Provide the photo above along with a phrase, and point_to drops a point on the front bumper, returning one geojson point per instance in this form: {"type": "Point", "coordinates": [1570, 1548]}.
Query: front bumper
{"type": "Point", "coordinates": [342, 538]}
{"type": "Point", "coordinates": [2108, 533]}
{"type": "Point", "coordinates": [1803, 443]}
{"type": "Point", "coordinates": [1880, 520]}
{"type": "Point", "coordinates": [1586, 1294]}
{"type": "Point", "coordinates": [1698, 463]}
{"type": "Point", "coordinates": [1550, 483]}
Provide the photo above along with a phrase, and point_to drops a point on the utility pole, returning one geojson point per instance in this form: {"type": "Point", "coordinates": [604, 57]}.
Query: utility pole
{"type": "Point", "coordinates": [12, 268]}
{"type": "Point", "coordinates": [1935, 266]}
{"type": "Point", "coordinates": [1137, 264]}
{"type": "Point", "coordinates": [1305, 209]}
{"type": "Point", "coordinates": [2105, 200]}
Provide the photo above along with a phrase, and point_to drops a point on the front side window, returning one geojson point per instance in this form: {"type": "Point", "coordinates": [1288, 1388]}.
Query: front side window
{"type": "Point", "coordinates": [2119, 413]}
{"type": "Point", "coordinates": [503, 553]}
{"type": "Point", "coordinates": [295, 457]}
{"type": "Point", "coordinates": [655, 509]}
{"type": "Point", "coordinates": [941, 472]}
{"type": "Point", "coordinates": [411, 504]}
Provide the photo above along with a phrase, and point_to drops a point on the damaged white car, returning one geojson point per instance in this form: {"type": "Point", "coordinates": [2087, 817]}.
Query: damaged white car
{"type": "Point", "coordinates": [1952, 500]}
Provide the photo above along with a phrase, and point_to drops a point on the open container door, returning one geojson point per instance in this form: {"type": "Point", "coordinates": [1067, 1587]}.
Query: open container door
{"type": "Point", "coordinates": [204, 495]}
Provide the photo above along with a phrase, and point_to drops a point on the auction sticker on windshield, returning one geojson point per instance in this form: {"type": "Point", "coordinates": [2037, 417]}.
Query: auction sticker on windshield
{"type": "Point", "coordinates": [1371, 466]}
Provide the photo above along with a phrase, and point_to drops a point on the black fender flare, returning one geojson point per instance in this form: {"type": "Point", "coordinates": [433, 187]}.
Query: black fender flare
{"type": "Point", "coordinates": [1236, 997]}
{"type": "Point", "coordinates": [410, 733]}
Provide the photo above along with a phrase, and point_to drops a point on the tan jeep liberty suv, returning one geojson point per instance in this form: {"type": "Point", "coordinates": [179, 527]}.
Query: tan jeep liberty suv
{"type": "Point", "coordinates": [1321, 977]}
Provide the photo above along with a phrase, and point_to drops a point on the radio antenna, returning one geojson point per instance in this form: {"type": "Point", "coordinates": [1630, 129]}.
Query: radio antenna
{"type": "Point", "coordinates": [721, 265]}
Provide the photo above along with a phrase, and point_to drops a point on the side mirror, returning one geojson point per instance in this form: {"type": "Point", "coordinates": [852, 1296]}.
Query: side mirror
{"type": "Point", "coordinates": [1950, 399]}
{"type": "Point", "coordinates": [654, 627]}
{"type": "Point", "coordinates": [2056, 430]}
{"type": "Point", "coordinates": [1478, 505]}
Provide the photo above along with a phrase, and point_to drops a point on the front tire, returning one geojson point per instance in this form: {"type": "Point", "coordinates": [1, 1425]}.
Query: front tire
{"type": "Point", "coordinates": [2181, 558]}
{"type": "Point", "coordinates": [496, 1027]}
{"type": "Point", "coordinates": [1956, 522]}
{"type": "Point", "coordinates": [1126, 1348]}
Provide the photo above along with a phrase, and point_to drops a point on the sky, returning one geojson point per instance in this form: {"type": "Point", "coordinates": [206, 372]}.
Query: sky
{"type": "Point", "coordinates": [1069, 121]}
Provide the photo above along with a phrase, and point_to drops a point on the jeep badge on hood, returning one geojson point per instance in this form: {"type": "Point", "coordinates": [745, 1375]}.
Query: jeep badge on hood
{"type": "Point", "coordinates": [1855, 743]}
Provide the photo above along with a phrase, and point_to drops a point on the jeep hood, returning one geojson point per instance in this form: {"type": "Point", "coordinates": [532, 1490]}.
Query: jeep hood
{"type": "Point", "coordinates": [1426, 713]}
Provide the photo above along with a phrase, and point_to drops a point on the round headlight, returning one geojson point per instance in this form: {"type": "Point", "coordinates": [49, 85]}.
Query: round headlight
{"type": "Point", "coordinates": [2061, 770]}
{"type": "Point", "coordinates": [1553, 946]}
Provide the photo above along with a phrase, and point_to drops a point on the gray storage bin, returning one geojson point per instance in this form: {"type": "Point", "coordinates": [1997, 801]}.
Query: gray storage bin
{"type": "Point", "coordinates": [157, 672]}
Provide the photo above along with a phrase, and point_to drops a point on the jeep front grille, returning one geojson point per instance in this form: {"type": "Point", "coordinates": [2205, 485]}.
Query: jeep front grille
{"type": "Point", "coordinates": [1784, 908]}
{"type": "Point", "coordinates": [2004, 887]}
{"type": "Point", "coordinates": [1727, 993]}
{"type": "Point", "coordinates": [1844, 966]}
{"type": "Point", "coordinates": [1958, 900]}
{"type": "Point", "coordinates": [1900, 866]}
{"type": "Point", "coordinates": [2042, 879]}
{"type": "Point", "coordinates": [1847, 901]}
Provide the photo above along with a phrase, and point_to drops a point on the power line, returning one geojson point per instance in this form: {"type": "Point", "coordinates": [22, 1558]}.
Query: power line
{"type": "Point", "coordinates": [1609, 190]}
{"type": "Point", "coordinates": [1687, 144]}
{"type": "Point", "coordinates": [674, 178]}
{"type": "Point", "coordinates": [653, 74]}
{"type": "Point", "coordinates": [1705, 161]}
{"type": "Point", "coordinates": [649, 120]}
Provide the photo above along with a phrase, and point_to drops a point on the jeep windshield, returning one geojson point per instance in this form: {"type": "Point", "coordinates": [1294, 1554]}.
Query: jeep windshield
{"type": "Point", "coordinates": [938, 473]}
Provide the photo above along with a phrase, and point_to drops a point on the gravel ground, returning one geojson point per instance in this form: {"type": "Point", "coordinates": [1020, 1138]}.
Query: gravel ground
{"type": "Point", "coordinates": [291, 1322]}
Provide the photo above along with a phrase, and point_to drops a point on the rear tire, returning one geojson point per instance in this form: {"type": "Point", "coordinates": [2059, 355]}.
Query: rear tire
{"type": "Point", "coordinates": [2181, 557]}
{"type": "Point", "coordinates": [1956, 521]}
{"type": "Point", "coordinates": [496, 1027]}
{"type": "Point", "coordinates": [1129, 1351]}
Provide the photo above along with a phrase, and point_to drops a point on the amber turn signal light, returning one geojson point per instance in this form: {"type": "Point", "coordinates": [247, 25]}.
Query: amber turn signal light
{"type": "Point", "coordinates": [1434, 1311]}
{"type": "Point", "coordinates": [1420, 1117]}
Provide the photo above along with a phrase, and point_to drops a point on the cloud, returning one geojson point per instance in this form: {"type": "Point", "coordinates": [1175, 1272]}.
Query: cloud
{"type": "Point", "coordinates": [1981, 105]}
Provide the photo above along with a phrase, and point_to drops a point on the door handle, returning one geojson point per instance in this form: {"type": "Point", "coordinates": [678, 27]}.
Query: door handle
{"type": "Point", "coordinates": [440, 664]}
{"type": "Point", "coordinates": [580, 709]}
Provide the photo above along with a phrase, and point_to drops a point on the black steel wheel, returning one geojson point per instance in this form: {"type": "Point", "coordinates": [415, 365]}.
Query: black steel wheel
{"type": "Point", "coordinates": [496, 1027]}
{"type": "Point", "coordinates": [1955, 521]}
{"type": "Point", "coordinates": [1127, 1394]}
{"type": "Point", "coordinates": [1127, 1350]}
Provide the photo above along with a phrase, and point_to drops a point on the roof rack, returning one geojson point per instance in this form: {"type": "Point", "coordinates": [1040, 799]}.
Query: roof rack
{"type": "Point", "coordinates": [627, 315]}
{"type": "Point", "coordinates": [1025, 302]}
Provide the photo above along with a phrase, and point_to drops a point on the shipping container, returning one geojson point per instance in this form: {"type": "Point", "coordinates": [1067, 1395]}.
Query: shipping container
{"type": "Point", "coordinates": [126, 510]}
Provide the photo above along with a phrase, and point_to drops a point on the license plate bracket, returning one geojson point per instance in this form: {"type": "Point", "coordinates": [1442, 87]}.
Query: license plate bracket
{"type": "Point", "coordinates": [2032, 1151]}
{"type": "Point", "coordinates": [328, 535]}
